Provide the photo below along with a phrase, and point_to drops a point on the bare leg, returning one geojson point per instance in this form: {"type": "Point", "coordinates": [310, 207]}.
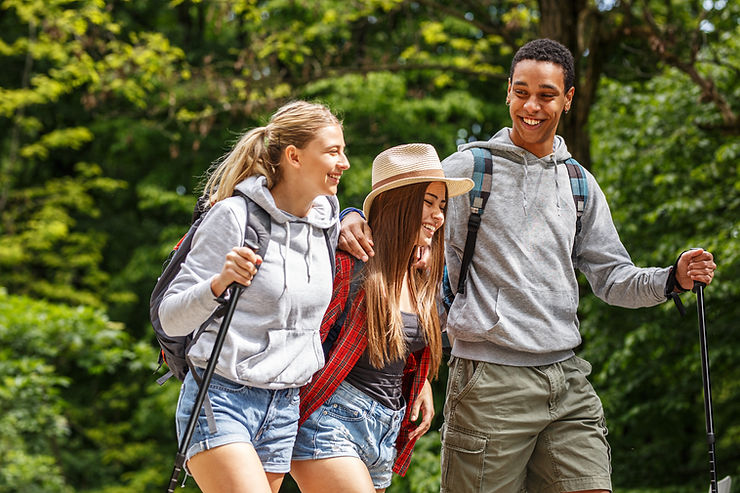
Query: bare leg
{"type": "Point", "coordinates": [345, 474]}
{"type": "Point", "coordinates": [275, 480]}
{"type": "Point", "coordinates": [232, 468]}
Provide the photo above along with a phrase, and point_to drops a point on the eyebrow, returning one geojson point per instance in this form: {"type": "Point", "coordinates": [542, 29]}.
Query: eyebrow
{"type": "Point", "coordinates": [542, 86]}
{"type": "Point", "coordinates": [433, 195]}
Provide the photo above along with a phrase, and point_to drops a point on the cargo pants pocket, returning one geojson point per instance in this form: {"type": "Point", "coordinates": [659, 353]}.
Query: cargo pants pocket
{"type": "Point", "coordinates": [463, 457]}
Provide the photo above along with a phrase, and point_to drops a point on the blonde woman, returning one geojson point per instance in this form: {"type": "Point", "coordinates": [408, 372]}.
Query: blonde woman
{"type": "Point", "coordinates": [291, 168]}
{"type": "Point", "coordinates": [358, 412]}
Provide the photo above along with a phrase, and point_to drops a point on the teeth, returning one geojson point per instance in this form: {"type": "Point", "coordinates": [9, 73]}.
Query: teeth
{"type": "Point", "coordinates": [530, 121]}
{"type": "Point", "coordinates": [429, 228]}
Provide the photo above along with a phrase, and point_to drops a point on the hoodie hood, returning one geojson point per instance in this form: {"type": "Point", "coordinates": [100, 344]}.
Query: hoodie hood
{"type": "Point", "coordinates": [322, 214]}
{"type": "Point", "coordinates": [501, 145]}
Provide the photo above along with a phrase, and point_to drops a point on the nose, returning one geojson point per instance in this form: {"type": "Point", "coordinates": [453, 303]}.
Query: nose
{"type": "Point", "coordinates": [344, 162]}
{"type": "Point", "coordinates": [531, 104]}
{"type": "Point", "coordinates": [439, 216]}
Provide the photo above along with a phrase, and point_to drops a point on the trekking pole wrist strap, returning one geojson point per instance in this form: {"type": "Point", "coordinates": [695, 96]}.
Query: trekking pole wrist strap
{"type": "Point", "coordinates": [672, 283]}
{"type": "Point", "coordinates": [673, 288]}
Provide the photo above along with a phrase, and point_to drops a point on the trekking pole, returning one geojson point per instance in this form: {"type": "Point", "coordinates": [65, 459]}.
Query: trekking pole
{"type": "Point", "coordinates": [724, 485]}
{"type": "Point", "coordinates": [235, 290]}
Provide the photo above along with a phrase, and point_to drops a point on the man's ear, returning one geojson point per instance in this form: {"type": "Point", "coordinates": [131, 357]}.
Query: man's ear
{"type": "Point", "coordinates": [569, 98]}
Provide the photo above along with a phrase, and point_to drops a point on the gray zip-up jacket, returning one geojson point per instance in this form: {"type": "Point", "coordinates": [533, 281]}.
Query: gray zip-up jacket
{"type": "Point", "coordinates": [521, 297]}
{"type": "Point", "coordinates": [273, 341]}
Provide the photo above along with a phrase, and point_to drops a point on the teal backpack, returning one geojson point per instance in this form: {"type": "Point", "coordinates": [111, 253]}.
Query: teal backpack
{"type": "Point", "coordinates": [483, 178]}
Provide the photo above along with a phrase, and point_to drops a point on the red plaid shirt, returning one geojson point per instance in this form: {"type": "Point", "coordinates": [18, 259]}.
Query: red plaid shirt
{"type": "Point", "coordinates": [348, 348]}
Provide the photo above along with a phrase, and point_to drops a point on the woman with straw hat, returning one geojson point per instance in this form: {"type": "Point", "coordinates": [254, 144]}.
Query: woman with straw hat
{"type": "Point", "coordinates": [358, 414]}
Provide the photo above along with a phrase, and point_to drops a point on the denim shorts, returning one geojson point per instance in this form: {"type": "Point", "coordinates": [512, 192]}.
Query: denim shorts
{"type": "Point", "coordinates": [510, 429]}
{"type": "Point", "coordinates": [268, 419]}
{"type": "Point", "coordinates": [350, 423]}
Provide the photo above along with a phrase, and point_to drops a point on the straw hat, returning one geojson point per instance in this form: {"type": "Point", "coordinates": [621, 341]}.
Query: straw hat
{"type": "Point", "coordinates": [410, 163]}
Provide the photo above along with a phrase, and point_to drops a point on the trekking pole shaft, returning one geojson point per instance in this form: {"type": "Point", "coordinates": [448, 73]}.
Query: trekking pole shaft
{"type": "Point", "coordinates": [236, 290]}
{"type": "Point", "coordinates": [706, 383]}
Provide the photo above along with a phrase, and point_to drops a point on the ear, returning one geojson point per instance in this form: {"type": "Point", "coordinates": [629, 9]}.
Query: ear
{"type": "Point", "coordinates": [569, 98]}
{"type": "Point", "coordinates": [292, 156]}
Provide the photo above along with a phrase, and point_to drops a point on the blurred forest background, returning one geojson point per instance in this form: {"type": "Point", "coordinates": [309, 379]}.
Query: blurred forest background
{"type": "Point", "coordinates": [110, 112]}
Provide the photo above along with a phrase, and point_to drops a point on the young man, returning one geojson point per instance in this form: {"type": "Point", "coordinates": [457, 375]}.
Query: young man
{"type": "Point", "coordinates": [520, 413]}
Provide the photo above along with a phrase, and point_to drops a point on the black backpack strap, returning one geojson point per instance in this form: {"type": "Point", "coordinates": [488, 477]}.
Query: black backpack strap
{"type": "Point", "coordinates": [483, 178]}
{"type": "Point", "coordinates": [354, 287]}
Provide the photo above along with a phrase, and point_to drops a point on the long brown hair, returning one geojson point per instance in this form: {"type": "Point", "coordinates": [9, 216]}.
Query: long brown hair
{"type": "Point", "coordinates": [258, 151]}
{"type": "Point", "coordinates": [395, 220]}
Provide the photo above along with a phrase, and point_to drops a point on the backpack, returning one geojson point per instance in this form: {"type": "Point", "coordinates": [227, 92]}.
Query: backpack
{"type": "Point", "coordinates": [173, 350]}
{"type": "Point", "coordinates": [483, 178]}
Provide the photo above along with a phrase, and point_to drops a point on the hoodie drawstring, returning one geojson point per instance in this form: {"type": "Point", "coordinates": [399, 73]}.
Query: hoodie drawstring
{"type": "Point", "coordinates": [308, 254]}
{"type": "Point", "coordinates": [285, 256]}
{"type": "Point", "coordinates": [524, 184]}
{"type": "Point", "coordinates": [557, 185]}
{"type": "Point", "coordinates": [284, 249]}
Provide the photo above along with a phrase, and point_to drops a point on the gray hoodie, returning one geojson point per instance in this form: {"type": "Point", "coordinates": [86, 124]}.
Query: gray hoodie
{"type": "Point", "coordinates": [521, 295]}
{"type": "Point", "coordinates": [273, 341]}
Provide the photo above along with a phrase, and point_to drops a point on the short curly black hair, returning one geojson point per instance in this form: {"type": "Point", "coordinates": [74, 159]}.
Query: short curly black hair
{"type": "Point", "coordinates": [547, 50]}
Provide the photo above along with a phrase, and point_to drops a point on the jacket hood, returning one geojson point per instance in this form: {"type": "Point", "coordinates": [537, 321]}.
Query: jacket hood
{"type": "Point", "coordinates": [321, 215]}
{"type": "Point", "coordinates": [501, 144]}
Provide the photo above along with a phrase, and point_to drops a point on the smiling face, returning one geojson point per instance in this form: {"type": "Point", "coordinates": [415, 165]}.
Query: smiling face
{"type": "Point", "coordinates": [323, 161]}
{"type": "Point", "coordinates": [537, 98]}
{"type": "Point", "coordinates": [433, 214]}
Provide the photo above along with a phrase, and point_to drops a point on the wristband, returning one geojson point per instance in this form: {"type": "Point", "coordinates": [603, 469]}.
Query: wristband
{"type": "Point", "coordinates": [348, 210]}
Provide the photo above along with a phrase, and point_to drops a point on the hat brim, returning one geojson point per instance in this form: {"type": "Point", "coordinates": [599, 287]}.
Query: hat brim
{"type": "Point", "coordinates": [455, 186]}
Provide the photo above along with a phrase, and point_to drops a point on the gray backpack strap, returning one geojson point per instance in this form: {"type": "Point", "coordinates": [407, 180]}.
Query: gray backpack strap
{"type": "Point", "coordinates": [579, 190]}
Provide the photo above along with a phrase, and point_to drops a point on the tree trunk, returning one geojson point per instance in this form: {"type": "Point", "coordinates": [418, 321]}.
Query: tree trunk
{"type": "Point", "coordinates": [573, 24]}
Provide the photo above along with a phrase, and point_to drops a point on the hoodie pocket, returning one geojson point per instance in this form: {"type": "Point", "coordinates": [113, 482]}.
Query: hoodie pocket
{"type": "Point", "coordinates": [536, 320]}
{"type": "Point", "coordinates": [290, 358]}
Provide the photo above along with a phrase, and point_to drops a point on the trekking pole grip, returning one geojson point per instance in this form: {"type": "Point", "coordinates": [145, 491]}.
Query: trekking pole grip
{"type": "Point", "coordinates": [698, 285]}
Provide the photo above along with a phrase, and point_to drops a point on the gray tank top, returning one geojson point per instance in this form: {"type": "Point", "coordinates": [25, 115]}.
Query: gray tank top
{"type": "Point", "coordinates": [384, 384]}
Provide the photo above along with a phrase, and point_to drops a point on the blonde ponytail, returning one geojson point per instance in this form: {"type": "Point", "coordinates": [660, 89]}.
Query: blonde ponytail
{"type": "Point", "coordinates": [260, 150]}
